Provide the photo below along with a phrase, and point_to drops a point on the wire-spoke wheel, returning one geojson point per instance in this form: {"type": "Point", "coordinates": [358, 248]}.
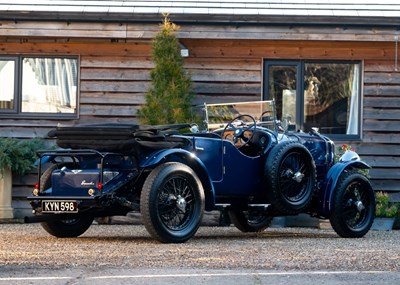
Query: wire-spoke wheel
{"type": "Point", "coordinates": [68, 228]}
{"type": "Point", "coordinates": [172, 203]}
{"type": "Point", "coordinates": [353, 207]}
{"type": "Point", "coordinates": [250, 220]}
{"type": "Point", "coordinates": [290, 176]}
{"type": "Point", "coordinates": [176, 203]}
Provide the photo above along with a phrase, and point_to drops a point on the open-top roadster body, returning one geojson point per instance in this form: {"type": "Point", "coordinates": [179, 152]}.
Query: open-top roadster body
{"type": "Point", "coordinates": [243, 161]}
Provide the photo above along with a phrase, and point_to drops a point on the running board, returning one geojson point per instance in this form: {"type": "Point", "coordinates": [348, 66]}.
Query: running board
{"type": "Point", "coordinates": [259, 206]}
{"type": "Point", "coordinates": [264, 206]}
{"type": "Point", "coordinates": [222, 205]}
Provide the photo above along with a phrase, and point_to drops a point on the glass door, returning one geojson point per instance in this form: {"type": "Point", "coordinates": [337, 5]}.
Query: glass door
{"type": "Point", "coordinates": [316, 94]}
{"type": "Point", "coordinates": [282, 83]}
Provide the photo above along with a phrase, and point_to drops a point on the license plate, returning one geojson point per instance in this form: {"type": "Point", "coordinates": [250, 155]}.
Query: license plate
{"type": "Point", "coordinates": [59, 207]}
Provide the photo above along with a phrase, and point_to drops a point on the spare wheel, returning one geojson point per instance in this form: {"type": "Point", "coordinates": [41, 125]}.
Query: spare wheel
{"type": "Point", "coordinates": [290, 177]}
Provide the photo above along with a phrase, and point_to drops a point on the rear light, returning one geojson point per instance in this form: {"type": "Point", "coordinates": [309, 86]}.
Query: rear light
{"type": "Point", "coordinates": [99, 185]}
{"type": "Point", "coordinates": [35, 191]}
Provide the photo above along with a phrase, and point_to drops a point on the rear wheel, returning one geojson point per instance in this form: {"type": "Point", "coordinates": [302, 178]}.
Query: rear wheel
{"type": "Point", "coordinates": [290, 176]}
{"type": "Point", "coordinates": [353, 207]}
{"type": "Point", "coordinates": [172, 203]}
{"type": "Point", "coordinates": [63, 228]}
{"type": "Point", "coordinates": [250, 221]}
{"type": "Point", "coordinates": [68, 228]}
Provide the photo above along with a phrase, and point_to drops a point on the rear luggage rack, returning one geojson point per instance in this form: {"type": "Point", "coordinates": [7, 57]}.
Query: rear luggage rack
{"type": "Point", "coordinates": [48, 156]}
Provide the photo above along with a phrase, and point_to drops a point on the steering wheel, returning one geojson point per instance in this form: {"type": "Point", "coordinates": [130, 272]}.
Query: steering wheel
{"type": "Point", "coordinates": [238, 131]}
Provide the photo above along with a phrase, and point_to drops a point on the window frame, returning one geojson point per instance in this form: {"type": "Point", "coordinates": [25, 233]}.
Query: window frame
{"type": "Point", "coordinates": [300, 65]}
{"type": "Point", "coordinates": [16, 112]}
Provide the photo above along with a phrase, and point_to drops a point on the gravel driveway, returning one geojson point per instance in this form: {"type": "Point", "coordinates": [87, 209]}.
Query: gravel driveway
{"type": "Point", "coordinates": [129, 246]}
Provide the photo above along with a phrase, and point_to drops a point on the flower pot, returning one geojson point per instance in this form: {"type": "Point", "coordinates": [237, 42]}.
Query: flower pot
{"type": "Point", "coordinates": [383, 224]}
{"type": "Point", "coordinates": [6, 211]}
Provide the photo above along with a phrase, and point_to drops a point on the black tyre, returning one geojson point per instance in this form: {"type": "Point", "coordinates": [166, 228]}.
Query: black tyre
{"type": "Point", "coordinates": [45, 179]}
{"type": "Point", "coordinates": [64, 228]}
{"type": "Point", "coordinates": [172, 203]}
{"type": "Point", "coordinates": [353, 207]}
{"type": "Point", "coordinates": [290, 177]}
{"type": "Point", "coordinates": [250, 221]}
{"type": "Point", "coordinates": [68, 228]}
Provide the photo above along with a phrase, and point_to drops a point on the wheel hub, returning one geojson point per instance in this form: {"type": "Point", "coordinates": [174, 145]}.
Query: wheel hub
{"type": "Point", "coordinates": [298, 176]}
{"type": "Point", "coordinates": [181, 203]}
{"type": "Point", "coordinates": [360, 206]}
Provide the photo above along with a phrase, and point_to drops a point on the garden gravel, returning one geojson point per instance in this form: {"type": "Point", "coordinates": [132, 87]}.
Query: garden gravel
{"type": "Point", "coordinates": [130, 246]}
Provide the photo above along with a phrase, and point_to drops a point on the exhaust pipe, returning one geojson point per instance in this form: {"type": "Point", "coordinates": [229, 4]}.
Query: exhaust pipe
{"type": "Point", "coordinates": [49, 218]}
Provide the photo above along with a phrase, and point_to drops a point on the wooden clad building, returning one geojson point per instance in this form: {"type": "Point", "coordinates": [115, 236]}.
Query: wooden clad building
{"type": "Point", "coordinates": [80, 62]}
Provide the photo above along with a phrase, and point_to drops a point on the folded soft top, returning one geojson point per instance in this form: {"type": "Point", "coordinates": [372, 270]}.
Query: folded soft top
{"type": "Point", "coordinates": [116, 137]}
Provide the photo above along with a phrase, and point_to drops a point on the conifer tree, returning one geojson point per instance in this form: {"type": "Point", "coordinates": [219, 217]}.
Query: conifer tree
{"type": "Point", "coordinates": [168, 100]}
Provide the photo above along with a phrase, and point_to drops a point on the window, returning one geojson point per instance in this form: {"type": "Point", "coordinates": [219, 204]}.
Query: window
{"type": "Point", "coordinates": [310, 94]}
{"type": "Point", "coordinates": [38, 86]}
{"type": "Point", "coordinates": [7, 86]}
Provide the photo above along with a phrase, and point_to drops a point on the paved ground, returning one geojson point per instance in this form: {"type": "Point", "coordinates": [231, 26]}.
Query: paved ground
{"type": "Point", "coordinates": [127, 251]}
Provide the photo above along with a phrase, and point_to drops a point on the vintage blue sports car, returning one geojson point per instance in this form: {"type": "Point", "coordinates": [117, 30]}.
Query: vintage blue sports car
{"type": "Point", "coordinates": [242, 160]}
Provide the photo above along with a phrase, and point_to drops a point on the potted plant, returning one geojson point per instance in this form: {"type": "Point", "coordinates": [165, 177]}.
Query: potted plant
{"type": "Point", "coordinates": [16, 156]}
{"type": "Point", "coordinates": [385, 212]}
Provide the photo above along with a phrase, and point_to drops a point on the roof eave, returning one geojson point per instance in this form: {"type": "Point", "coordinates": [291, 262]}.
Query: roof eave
{"type": "Point", "coordinates": [206, 19]}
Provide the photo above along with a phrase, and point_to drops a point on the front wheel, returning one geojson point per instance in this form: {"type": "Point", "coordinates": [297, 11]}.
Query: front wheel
{"type": "Point", "coordinates": [250, 221]}
{"type": "Point", "coordinates": [353, 207]}
{"type": "Point", "coordinates": [172, 203]}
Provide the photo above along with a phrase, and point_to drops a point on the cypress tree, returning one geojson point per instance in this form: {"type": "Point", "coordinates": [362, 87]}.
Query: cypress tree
{"type": "Point", "coordinates": [168, 100]}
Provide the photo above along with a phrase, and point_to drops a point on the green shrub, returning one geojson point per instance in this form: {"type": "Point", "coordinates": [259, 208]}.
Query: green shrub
{"type": "Point", "coordinates": [385, 208]}
{"type": "Point", "coordinates": [19, 155]}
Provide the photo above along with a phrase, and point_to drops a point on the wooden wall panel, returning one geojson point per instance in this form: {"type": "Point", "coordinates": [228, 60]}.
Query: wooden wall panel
{"type": "Point", "coordinates": [322, 50]}
{"type": "Point", "coordinates": [114, 99]}
{"type": "Point", "coordinates": [390, 185]}
{"type": "Point", "coordinates": [128, 31]}
{"type": "Point", "coordinates": [381, 113]}
{"type": "Point", "coordinates": [114, 86]}
{"type": "Point", "coordinates": [381, 138]}
{"type": "Point", "coordinates": [378, 150]}
{"type": "Point", "coordinates": [62, 29]}
{"type": "Point", "coordinates": [77, 48]}
{"type": "Point", "coordinates": [382, 78]}
{"type": "Point", "coordinates": [105, 61]}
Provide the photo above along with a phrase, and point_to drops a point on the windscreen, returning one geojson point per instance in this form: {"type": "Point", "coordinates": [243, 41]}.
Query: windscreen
{"type": "Point", "coordinates": [218, 115]}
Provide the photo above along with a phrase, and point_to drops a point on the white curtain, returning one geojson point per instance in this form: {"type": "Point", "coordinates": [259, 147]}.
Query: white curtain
{"type": "Point", "coordinates": [352, 127]}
